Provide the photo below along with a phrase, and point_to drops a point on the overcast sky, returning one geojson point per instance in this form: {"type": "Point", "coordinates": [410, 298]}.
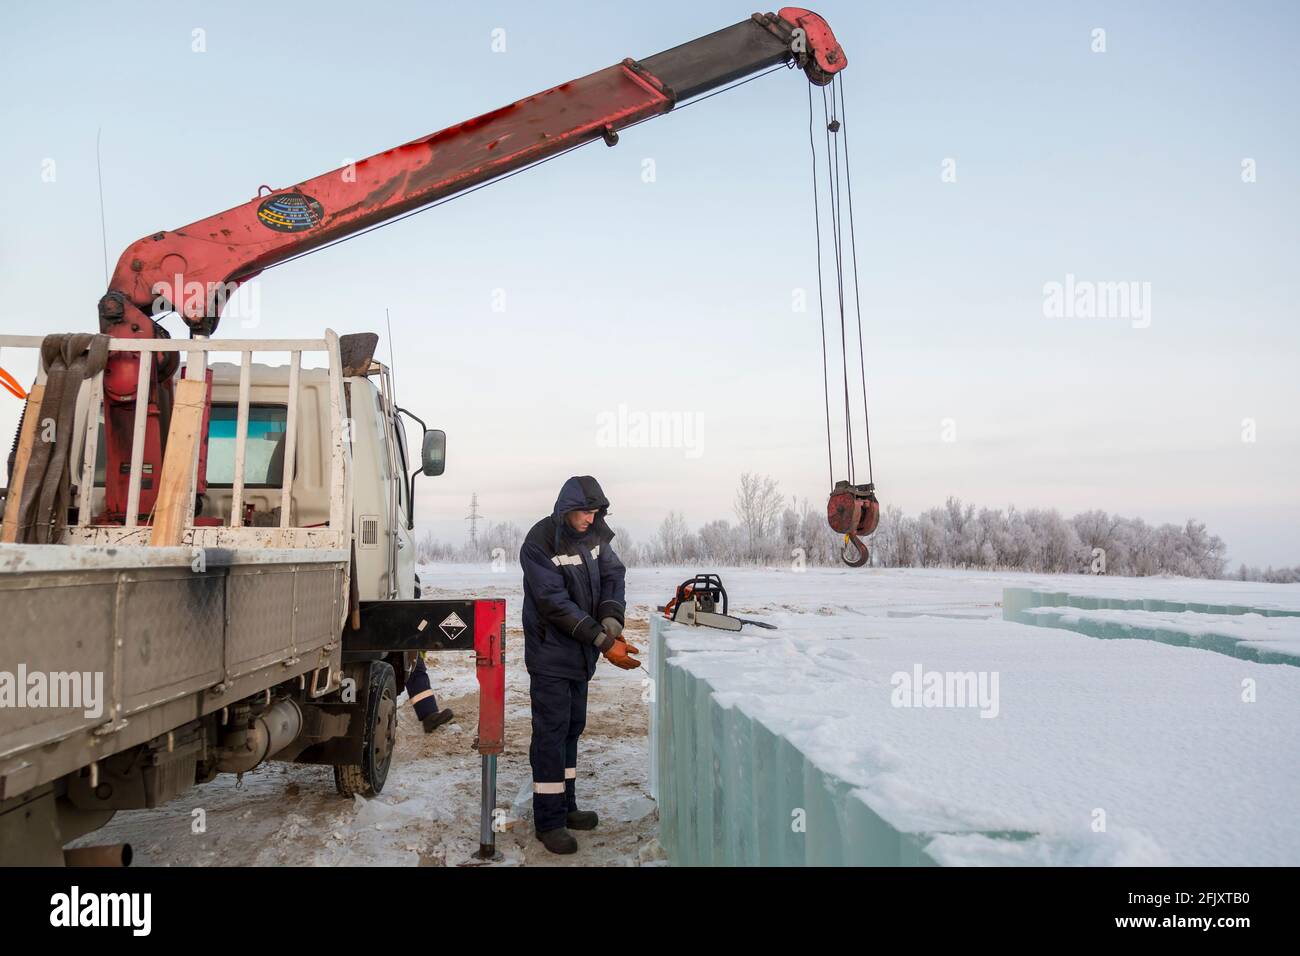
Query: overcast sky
{"type": "Point", "coordinates": [996, 150]}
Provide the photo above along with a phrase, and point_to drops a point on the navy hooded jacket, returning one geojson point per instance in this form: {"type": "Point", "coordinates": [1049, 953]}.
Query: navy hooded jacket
{"type": "Point", "coordinates": [571, 583]}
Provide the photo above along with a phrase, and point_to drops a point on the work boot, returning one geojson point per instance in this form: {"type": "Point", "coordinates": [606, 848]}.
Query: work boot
{"type": "Point", "coordinates": [582, 819]}
{"type": "Point", "coordinates": [434, 721]}
{"type": "Point", "coordinates": [558, 840]}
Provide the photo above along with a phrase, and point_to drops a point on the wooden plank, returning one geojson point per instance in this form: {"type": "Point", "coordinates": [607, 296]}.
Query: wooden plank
{"type": "Point", "coordinates": [241, 441]}
{"type": "Point", "coordinates": [137, 440]}
{"type": "Point", "coordinates": [290, 439]}
{"type": "Point", "coordinates": [338, 479]}
{"type": "Point", "coordinates": [90, 449]}
{"type": "Point", "coordinates": [176, 487]}
{"type": "Point", "coordinates": [26, 441]}
{"type": "Point", "coordinates": [196, 366]}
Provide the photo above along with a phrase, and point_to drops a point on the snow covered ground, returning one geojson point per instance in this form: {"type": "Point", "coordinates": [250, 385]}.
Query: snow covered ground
{"type": "Point", "coordinates": [1155, 735]}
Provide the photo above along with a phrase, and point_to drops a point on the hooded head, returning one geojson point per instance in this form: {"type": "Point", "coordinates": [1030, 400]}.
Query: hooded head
{"type": "Point", "coordinates": [582, 493]}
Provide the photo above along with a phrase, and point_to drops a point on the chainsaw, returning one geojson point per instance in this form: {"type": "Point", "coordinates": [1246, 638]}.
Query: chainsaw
{"type": "Point", "coordinates": [697, 601]}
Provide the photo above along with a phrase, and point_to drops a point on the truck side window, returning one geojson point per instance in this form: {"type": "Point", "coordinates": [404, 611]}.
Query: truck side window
{"type": "Point", "coordinates": [400, 428]}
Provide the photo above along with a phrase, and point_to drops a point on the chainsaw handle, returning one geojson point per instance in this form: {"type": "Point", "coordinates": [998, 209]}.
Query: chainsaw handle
{"type": "Point", "coordinates": [707, 582]}
{"type": "Point", "coordinates": [714, 582]}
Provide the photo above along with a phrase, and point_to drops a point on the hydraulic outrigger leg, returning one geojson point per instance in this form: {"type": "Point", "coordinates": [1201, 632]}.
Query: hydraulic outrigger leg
{"type": "Point", "coordinates": [490, 661]}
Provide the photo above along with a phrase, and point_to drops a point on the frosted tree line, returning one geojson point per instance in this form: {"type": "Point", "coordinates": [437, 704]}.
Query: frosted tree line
{"type": "Point", "coordinates": [766, 528]}
{"type": "Point", "coordinates": [503, 538]}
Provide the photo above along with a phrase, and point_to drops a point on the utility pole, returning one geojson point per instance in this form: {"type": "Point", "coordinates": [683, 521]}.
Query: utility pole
{"type": "Point", "coordinates": [472, 518]}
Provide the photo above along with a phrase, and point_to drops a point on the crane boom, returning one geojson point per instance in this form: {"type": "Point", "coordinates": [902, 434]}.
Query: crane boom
{"type": "Point", "coordinates": [195, 269]}
{"type": "Point", "coordinates": [160, 272]}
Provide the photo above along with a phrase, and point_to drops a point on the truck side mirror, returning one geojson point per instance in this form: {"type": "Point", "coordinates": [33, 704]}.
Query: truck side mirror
{"type": "Point", "coordinates": [433, 456]}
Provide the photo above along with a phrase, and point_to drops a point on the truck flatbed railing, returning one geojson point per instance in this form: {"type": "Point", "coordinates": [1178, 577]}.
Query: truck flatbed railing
{"type": "Point", "coordinates": [173, 515]}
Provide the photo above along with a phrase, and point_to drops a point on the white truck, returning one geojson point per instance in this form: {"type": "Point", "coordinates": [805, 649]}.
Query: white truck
{"type": "Point", "coordinates": [131, 672]}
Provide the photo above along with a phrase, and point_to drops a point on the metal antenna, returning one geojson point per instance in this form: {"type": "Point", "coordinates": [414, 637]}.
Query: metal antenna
{"type": "Point", "coordinates": [392, 368]}
{"type": "Point", "coordinates": [103, 228]}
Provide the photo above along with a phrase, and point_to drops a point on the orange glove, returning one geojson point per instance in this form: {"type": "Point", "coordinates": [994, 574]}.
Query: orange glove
{"type": "Point", "coordinates": [621, 654]}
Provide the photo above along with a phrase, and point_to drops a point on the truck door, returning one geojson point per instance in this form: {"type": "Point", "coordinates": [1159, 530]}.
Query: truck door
{"type": "Point", "coordinates": [404, 563]}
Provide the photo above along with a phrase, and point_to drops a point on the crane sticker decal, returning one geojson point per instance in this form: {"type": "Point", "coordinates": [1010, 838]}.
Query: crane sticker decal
{"type": "Point", "coordinates": [290, 212]}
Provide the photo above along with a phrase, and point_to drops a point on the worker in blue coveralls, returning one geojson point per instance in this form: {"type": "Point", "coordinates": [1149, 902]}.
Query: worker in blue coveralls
{"type": "Point", "coordinates": [420, 691]}
{"type": "Point", "coordinates": [573, 613]}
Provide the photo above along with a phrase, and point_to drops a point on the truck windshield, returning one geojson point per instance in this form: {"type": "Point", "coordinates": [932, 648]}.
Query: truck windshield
{"type": "Point", "coordinates": [264, 456]}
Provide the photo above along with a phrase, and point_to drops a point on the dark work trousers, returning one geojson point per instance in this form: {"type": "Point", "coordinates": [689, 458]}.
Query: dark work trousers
{"type": "Point", "coordinates": [420, 690]}
{"type": "Point", "coordinates": [559, 716]}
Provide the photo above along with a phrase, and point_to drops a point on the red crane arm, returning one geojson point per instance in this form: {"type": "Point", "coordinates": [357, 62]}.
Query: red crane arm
{"type": "Point", "coordinates": [194, 269]}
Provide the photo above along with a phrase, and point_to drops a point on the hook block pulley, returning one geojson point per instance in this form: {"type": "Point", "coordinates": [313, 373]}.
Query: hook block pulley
{"type": "Point", "coordinates": [854, 512]}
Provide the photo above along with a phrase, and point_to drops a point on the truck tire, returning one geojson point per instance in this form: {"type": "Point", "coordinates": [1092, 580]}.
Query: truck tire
{"type": "Point", "coordinates": [378, 738]}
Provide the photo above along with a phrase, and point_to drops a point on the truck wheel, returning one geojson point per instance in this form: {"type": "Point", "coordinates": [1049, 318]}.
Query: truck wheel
{"type": "Point", "coordinates": [380, 735]}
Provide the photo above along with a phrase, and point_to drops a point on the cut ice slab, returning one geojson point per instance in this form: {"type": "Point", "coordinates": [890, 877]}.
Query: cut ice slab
{"type": "Point", "coordinates": [809, 745]}
{"type": "Point", "coordinates": [1269, 634]}
{"type": "Point", "coordinates": [1252, 637]}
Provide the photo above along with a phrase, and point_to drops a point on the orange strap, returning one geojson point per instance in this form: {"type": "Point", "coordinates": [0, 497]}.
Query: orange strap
{"type": "Point", "coordinates": [11, 384]}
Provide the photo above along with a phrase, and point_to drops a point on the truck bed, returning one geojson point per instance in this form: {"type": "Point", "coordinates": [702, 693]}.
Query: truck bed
{"type": "Point", "coordinates": [173, 633]}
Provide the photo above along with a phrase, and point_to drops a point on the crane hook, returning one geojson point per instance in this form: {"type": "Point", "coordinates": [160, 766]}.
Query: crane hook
{"type": "Point", "coordinates": [852, 511]}
{"type": "Point", "coordinates": [855, 556]}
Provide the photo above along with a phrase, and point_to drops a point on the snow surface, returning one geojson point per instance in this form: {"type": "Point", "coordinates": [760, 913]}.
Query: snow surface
{"type": "Point", "coordinates": [1155, 735]}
